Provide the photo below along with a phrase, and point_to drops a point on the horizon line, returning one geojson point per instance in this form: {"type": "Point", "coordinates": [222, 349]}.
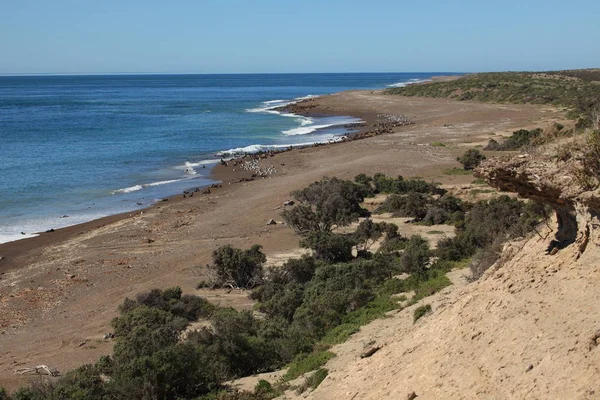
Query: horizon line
{"type": "Point", "coordinates": [5, 74]}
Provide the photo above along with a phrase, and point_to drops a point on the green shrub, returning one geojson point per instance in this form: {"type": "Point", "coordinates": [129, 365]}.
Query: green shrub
{"type": "Point", "coordinates": [263, 386]}
{"type": "Point", "coordinates": [330, 247]}
{"type": "Point", "coordinates": [589, 175]}
{"type": "Point", "coordinates": [237, 268]}
{"type": "Point", "coordinates": [317, 377]}
{"type": "Point", "coordinates": [471, 159]}
{"type": "Point", "coordinates": [458, 171]}
{"type": "Point", "coordinates": [416, 256]}
{"type": "Point", "coordinates": [368, 232]}
{"type": "Point", "coordinates": [516, 141]}
{"type": "Point", "coordinates": [421, 312]}
{"type": "Point", "coordinates": [412, 205]}
{"type": "Point", "coordinates": [325, 205]}
{"type": "Point", "coordinates": [304, 363]}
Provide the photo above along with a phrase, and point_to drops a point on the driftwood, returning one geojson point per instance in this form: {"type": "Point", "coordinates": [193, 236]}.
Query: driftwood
{"type": "Point", "coordinates": [38, 370]}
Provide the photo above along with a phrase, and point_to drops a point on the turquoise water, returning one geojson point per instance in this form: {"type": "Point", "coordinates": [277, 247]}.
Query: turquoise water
{"type": "Point", "coordinates": [76, 148]}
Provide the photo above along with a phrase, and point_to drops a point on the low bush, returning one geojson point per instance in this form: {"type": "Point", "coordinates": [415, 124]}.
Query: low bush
{"type": "Point", "coordinates": [304, 363]}
{"type": "Point", "coordinates": [421, 311]}
{"type": "Point", "coordinates": [326, 205]}
{"type": "Point", "coordinates": [237, 268]}
{"type": "Point", "coordinates": [517, 140]}
{"type": "Point", "coordinates": [471, 159]}
{"type": "Point", "coordinates": [415, 257]}
{"type": "Point", "coordinates": [380, 183]}
{"type": "Point", "coordinates": [412, 205]}
{"type": "Point", "coordinates": [319, 376]}
{"type": "Point", "coordinates": [330, 247]}
{"type": "Point", "coordinates": [489, 222]}
{"type": "Point", "coordinates": [589, 173]}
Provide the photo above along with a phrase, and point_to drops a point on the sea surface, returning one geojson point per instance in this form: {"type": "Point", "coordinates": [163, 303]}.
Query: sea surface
{"type": "Point", "coordinates": [77, 148]}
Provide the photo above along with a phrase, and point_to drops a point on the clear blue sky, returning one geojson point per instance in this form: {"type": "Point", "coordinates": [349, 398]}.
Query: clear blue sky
{"type": "Point", "coordinates": [228, 36]}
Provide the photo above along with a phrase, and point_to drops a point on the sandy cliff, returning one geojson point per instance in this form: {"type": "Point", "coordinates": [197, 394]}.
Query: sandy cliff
{"type": "Point", "coordinates": [528, 329]}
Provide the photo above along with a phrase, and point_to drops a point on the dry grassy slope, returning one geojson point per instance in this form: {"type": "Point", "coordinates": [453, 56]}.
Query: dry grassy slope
{"type": "Point", "coordinates": [529, 329]}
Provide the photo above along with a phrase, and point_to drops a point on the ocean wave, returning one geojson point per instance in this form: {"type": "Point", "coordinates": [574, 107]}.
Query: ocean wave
{"type": "Point", "coordinates": [135, 188]}
{"type": "Point", "coordinates": [269, 106]}
{"type": "Point", "coordinates": [255, 148]}
{"type": "Point", "coordinates": [305, 130]}
{"type": "Point", "coordinates": [408, 82]}
{"type": "Point", "coordinates": [310, 96]}
{"type": "Point", "coordinates": [189, 167]}
{"type": "Point", "coordinates": [274, 101]}
{"type": "Point", "coordinates": [310, 127]}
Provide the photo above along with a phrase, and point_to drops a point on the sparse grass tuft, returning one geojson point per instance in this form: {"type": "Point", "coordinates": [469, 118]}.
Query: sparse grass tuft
{"type": "Point", "coordinates": [420, 312]}
{"type": "Point", "coordinates": [457, 171]}
{"type": "Point", "coordinates": [438, 144]}
{"type": "Point", "coordinates": [304, 363]}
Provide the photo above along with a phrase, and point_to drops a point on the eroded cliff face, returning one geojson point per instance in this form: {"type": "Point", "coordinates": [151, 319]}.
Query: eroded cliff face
{"type": "Point", "coordinates": [546, 178]}
{"type": "Point", "coordinates": [528, 329]}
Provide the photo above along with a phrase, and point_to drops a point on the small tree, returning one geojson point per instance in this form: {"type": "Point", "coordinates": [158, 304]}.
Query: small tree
{"type": "Point", "coordinates": [326, 205]}
{"type": "Point", "coordinates": [471, 159]}
{"type": "Point", "coordinates": [368, 232]}
{"type": "Point", "coordinates": [237, 268]}
{"type": "Point", "coordinates": [416, 256]}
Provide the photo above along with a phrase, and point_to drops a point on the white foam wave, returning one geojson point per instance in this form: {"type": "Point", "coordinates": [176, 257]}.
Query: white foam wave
{"type": "Point", "coordinates": [408, 82]}
{"type": "Point", "coordinates": [306, 121]}
{"type": "Point", "coordinates": [310, 96]}
{"type": "Point", "coordinates": [128, 190]}
{"type": "Point", "coordinates": [135, 188]}
{"type": "Point", "coordinates": [274, 101]}
{"type": "Point", "coordinates": [269, 106]}
{"type": "Point", "coordinates": [305, 130]}
{"type": "Point", "coordinates": [255, 148]}
{"type": "Point", "coordinates": [11, 237]}
{"type": "Point", "coordinates": [309, 126]}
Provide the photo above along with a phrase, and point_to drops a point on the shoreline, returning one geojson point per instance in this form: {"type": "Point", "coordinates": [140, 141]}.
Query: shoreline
{"type": "Point", "coordinates": [219, 174]}
{"type": "Point", "coordinates": [70, 282]}
{"type": "Point", "coordinates": [10, 250]}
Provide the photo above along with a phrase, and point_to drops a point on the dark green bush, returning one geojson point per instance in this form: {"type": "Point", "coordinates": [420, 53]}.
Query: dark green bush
{"type": "Point", "coordinates": [490, 223]}
{"type": "Point", "coordinates": [325, 205]}
{"type": "Point", "coordinates": [416, 256]}
{"type": "Point", "coordinates": [317, 377]}
{"type": "Point", "coordinates": [421, 312]}
{"type": "Point", "coordinates": [412, 205]}
{"type": "Point", "coordinates": [304, 363]}
{"type": "Point", "coordinates": [516, 141]}
{"type": "Point", "coordinates": [471, 159]}
{"type": "Point", "coordinates": [369, 232]}
{"type": "Point", "coordinates": [330, 247]}
{"type": "Point", "coordinates": [237, 268]}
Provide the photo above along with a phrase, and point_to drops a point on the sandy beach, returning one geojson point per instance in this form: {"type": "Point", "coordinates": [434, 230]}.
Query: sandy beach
{"type": "Point", "coordinates": [59, 291]}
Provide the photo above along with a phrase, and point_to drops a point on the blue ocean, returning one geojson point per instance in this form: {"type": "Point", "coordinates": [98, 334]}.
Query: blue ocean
{"type": "Point", "coordinates": [76, 148]}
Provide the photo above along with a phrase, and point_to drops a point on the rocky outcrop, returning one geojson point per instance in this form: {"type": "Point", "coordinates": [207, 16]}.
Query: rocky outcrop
{"type": "Point", "coordinates": [547, 179]}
